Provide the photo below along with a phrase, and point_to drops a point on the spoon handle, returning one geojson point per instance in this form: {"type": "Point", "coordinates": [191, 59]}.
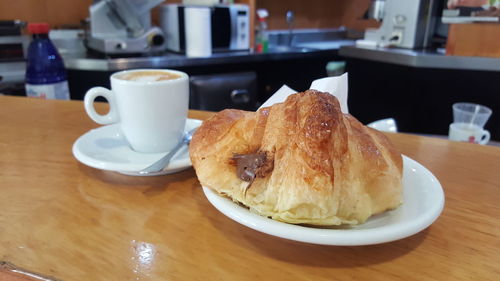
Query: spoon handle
{"type": "Point", "coordinates": [163, 162]}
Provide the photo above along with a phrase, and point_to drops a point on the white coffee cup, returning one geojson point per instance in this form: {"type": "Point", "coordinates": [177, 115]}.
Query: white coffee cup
{"type": "Point", "coordinates": [151, 106]}
{"type": "Point", "coordinates": [467, 132]}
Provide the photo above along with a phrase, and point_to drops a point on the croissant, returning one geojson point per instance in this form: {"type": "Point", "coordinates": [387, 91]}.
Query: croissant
{"type": "Point", "coordinates": [302, 162]}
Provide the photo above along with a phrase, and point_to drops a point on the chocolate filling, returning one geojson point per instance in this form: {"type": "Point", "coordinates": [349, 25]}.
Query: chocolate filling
{"type": "Point", "coordinates": [248, 165]}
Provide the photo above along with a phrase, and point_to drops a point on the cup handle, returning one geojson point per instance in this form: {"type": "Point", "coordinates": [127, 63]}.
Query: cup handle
{"type": "Point", "coordinates": [91, 95]}
{"type": "Point", "coordinates": [485, 137]}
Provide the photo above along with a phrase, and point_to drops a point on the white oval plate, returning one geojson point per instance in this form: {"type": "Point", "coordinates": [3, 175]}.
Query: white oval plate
{"type": "Point", "coordinates": [106, 148]}
{"type": "Point", "coordinates": [423, 202]}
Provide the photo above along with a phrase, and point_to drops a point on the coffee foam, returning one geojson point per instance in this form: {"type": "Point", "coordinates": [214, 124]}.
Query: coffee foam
{"type": "Point", "coordinates": [149, 76]}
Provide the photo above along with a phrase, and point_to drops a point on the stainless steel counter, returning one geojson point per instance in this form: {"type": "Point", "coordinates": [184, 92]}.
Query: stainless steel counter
{"type": "Point", "coordinates": [12, 72]}
{"type": "Point", "coordinates": [172, 60]}
{"type": "Point", "coordinates": [421, 58]}
{"type": "Point", "coordinates": [412, 58]}
{"type": "Point", "coordinates": [283, 44]}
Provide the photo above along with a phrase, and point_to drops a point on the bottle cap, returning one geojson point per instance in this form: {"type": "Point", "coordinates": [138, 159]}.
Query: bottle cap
{"type": "Point", "coordinates": [262, 13]}
{"type": "Point", "coordinates": [38, 27]}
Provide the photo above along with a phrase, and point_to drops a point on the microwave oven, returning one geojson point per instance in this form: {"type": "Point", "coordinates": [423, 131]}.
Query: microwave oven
{"type": "Point", "coordinates": [230, 27]}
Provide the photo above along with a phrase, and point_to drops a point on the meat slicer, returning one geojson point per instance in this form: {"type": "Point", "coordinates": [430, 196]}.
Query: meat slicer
{"type": "Point", "coordinates": [124, 27]}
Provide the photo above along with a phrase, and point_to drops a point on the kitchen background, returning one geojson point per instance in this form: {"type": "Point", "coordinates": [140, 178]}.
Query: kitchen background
{"type": "Point", "coordinates": [309, 14]}
{"type": "Point", "coordinates": [418, 95]}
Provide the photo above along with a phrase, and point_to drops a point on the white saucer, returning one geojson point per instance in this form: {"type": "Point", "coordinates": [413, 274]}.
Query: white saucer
{"type": "Point", "coordinates": [384, 125]}
{"type": "Point", "coordinates": [423, 202]}
{"type": "Point", "coordinates": [105, 148]}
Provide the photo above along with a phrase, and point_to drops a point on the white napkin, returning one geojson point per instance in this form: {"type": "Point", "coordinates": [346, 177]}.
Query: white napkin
{"type": "Point", "coordinates": [336, 86]}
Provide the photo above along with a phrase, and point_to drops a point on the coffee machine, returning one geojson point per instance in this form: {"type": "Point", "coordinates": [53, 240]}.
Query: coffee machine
{"type": "Point", "coordinates": [124, 27]}
{"type": "Point", "coordinates": [405, 23]}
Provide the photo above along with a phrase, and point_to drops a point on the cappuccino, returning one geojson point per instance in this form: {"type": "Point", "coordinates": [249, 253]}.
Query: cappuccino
{"type": "Point", "coordinates": [148, 76]}
{"type": "Point", "coordinates": [151, 106]}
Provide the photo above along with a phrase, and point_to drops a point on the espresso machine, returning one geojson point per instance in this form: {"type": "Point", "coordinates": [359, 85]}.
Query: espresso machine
{"type": "Point", "coordinates": [405, 23]}
{"type": "Point", "coordinates": [123, 27]}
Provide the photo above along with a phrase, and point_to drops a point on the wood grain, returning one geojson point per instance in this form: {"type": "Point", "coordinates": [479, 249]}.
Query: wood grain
{"type": "Point", "coordinates": [318, 13]}
{"type": "Point", "coordinates": [55, 12]}
{"type": "Point", "coordinates": [474, 39]}
{"type": "Point", "coordinates": [309, 14]}
{"type": "Point", "coordinates": [63, 219]}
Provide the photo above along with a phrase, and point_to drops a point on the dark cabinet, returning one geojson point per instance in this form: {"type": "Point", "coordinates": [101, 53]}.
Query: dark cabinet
{"type": "Point", "coordinates": [420, 99]}
{"type": "Point", "coordinates": [215, 92]}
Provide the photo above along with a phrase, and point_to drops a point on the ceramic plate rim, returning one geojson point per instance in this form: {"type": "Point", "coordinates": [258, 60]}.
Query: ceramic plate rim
{"type": "Point", "coordinates": [338, 237]}
{"type": "Point", "coordinates": [175, 164]}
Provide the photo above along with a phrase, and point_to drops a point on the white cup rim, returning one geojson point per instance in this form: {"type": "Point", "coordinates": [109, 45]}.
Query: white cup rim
{"type": "Point", "coordinates": [456, 125]}
{"type": "Point", "coordinates": [484, 110]}
{"type": "Point", "coordinates": [115, 79]}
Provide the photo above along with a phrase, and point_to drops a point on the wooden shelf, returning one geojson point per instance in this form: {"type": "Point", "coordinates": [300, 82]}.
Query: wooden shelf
{"type": "Point", "coordinates": [474, 39]}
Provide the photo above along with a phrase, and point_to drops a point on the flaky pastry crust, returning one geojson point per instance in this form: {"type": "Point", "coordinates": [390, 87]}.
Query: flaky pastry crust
{"type": "Point", "coordinates": [321, 167]}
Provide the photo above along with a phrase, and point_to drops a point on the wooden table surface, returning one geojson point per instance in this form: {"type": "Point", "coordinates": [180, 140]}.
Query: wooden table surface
{"type": "Point", "coordinates": [64, 220]}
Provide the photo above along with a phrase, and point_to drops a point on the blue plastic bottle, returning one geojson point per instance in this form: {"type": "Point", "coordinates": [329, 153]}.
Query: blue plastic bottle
{"type": "Point", "coordinates": [45, 73]}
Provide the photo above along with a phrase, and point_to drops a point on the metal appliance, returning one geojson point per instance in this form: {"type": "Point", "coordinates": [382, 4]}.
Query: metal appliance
{"type": "Point", "coordinates": [124, 27]}
{"type": "Point", "coordinates": [216, 92]}
{"type": "Point", "coordinates": [405, 23]}
{"type": "Point", "coordinates": [13, 46]}
{"type": "Point", "coordinates": [376, 10]}
{"type": "Point", "coordinates": [230, 27]}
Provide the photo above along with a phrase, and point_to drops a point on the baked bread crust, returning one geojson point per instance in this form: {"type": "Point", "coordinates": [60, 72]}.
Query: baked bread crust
{"type": "Point", "coordinates": [321, 167]}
